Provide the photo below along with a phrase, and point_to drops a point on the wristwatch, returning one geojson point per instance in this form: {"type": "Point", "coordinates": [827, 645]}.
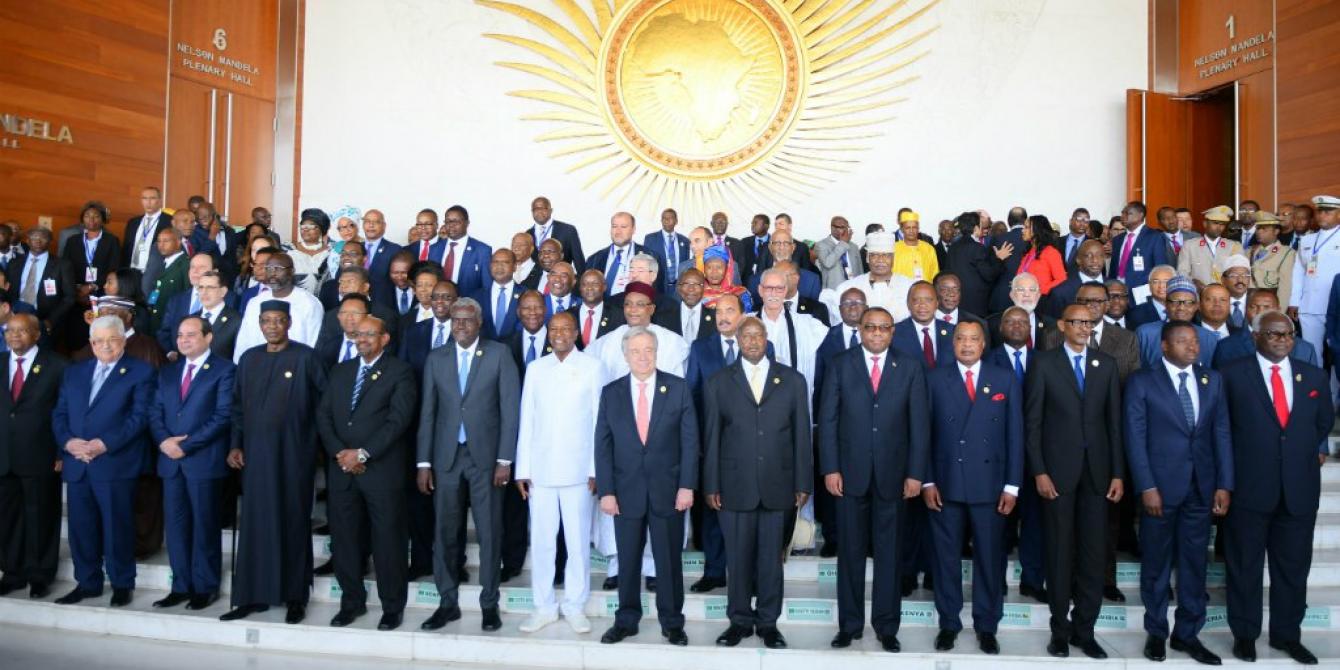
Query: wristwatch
{"type": "Point", "coordinates": [362, 455]}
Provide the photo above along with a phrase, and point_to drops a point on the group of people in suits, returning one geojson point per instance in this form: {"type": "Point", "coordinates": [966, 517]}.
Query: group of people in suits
{"type": "Point", "coordinates": [422, 382]}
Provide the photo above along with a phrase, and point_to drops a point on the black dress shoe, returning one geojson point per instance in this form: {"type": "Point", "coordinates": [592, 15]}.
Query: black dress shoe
{"type": "Point", "coordinates": [441, 617]}
{"type": "Point", "coordinates": [733, 635]}
{"type": "Point", "coordinates": [676, 636]}
{"type": "Point", "coordinates": [1089, 646]}
{"type": "Point", "coordinates": [707, 584]}
{"type": "Point", "coordinates": [242, 612]}
{"type": "Point", "coordinates": [327, 568]}
{"type": "Point", "coordinates": [74, 596]}
{"type": "Point", "coordinates": [121, 597]}
{"type": "Point", "coordinates": [490, 620]}
{"type": "Point", "coordinates": [172, 600]}
{"type": "Point", "coordinates": [772, 638]}
{"type": "Point", "coordinates": [37, 591]}
{"type": "Point", "coordinates": [890, 643]}
{"type": "Point", "coordinates": [7, 588]}
{"type": "Point", "coordinates": [1155, 649]}
{"type": "Point", "coordinates": [1035, 592]}
{"type": "Point", "coordinates": [1296, 651]}
{"type": "Point", "coordinates": [416, 573]}
{"type": "Point", "coordinates": [1196, 651]}
{"type": "Point", "coordinates": [201, 601]}
{"type": "Point", "coordinates": [616, 634]}
{"type": "Point", "coordinates": [909, 585]}
{"type": "Point", "coordinates": [347, 616]}
{"type": "Point", "coordinates": [508, 573]}
{"type": "Point", "coordinates": [1114, 594]}
{"type": "Point", "coordinates": [988, 644]}
{"type": "Point", "coordinates": [323, 529]}
{"type": "Point", "coordinates": [609, 584]}
{"type": "Point", "coordinates": [462, 576]}
{"type": "Point", "coordinates": [558, 580]}
{"type": "Point", "coordinates": [928, 582]}
{"type": "Point", "coordinates": [829, 550]}
{"type": "Point", "coordinates": [843, 639]}
{"type": "Point", "coordinates": [391, 621]}
{"type": "Point", "coordinates": [1058, 647]}
{"type": "Point", "coordinates": [1244, 649]}
{"type": "Point", "coordinates": [296, 613]}
{"type": "Point", "coordinates": [944, 640]}
{"type": "Point", "coordinates": [651, 584]}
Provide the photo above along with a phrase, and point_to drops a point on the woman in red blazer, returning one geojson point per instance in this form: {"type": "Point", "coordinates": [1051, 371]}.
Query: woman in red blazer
{"type": "Point", "coordinates": [1042, 260]}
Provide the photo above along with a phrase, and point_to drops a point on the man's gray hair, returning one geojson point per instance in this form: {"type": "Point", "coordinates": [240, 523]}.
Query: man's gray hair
{"type": "Point", "coordinates": [1256, 320]}
{"type": "Point", "coordinates": [1014, 283]}
{"type": "Point", "coordinates": [649, 261]}
{"type": "Point", "coordinates": [636, 331]}
{"type": "Point", "coordinates": [773, 272]}
{"type": "Point", "coordinates": [1163, 268]}
{"type": "Point", "coordinates": [112, 323]}
{"type": "Point", "coordinates": [471, 304]}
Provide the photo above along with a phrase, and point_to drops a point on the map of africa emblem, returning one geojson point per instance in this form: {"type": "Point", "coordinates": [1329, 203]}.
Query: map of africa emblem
{"type": "Point", "coordinates": [711, 103]}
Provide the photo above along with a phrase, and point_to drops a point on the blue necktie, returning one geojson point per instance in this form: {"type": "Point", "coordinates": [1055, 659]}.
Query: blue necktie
{"type": "Point", "coordinates": [730, 352]}
{"type": "Point", "coordinates": [1019, 366]}
{"type": "Point", "coordinates": [672, 256]}
{"type": "Point", "coordinates": [530, 352]}
{"type": "Point", "coordinates": [1079, 371]}
{"type": "Point", "coordinates": [99, 376]}
{"type": "Point", "coordinates": [404, 301]}
{"type": "Point", "coordinates": [614, 271]}
{"type": "Point", "coordinates": [1188, 408]}
{"type": "Point", "coordinates": [846, 267]}
{"type": "Point", "coordinates": [348, 351]}
{"type": "Point", "coordinates": [500, 311]}
{"type": "Point", "coordinates": [441, 337]}
{"type": "Point", "coordinates": [853, 341]}
{"type": "Point", "coordinates": [195, 303]}
{"type": "Point", "coordinates": [358, 386]}
{"type": "Point", "coordinates": [463, 375]}
{"type": "Point", "coordinates": [1236, 319]}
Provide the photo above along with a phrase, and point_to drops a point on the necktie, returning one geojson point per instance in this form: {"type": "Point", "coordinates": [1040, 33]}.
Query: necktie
{"type": "Point", "coordinates": [874, 373]}
{"type": "Point", "coordinates": [1188, 408]}
{"type": "Point", "coordinates": [543, 234]}
{"type": "Point", "coordinates": [30, 284]}
{"type": "Point", "coordinates": [756, 383]}
{"type": "Point", "coordinates": [613, 275]}
{"type": "Point", "coordinates": [1276, 393]}
{"type": "Point", "coordinates": [643, 412]}
{"type": "Point", "coordinates": [586, 326]}
{"type": "Point", "coordinates": [690, 326]}
{"type": "Point", "coordinates": [1079, 371]}
{"type": "Point", "coordinates": [186, 244]}
{"type": "Point", "coordinates": [449, 266]}
{"type": "Point", "coordinates": [730, 352]}
{"type": "Point", "coordinates": [16, 386]}
{"type": "Point", "coordinates": [853, 340]}
{"type": "Point", "coordinates": [1125, 255]}
{"type": "Point", "coordinates": [846, 267]}
{"type": "Point", "coordinates": [500, 310]}
{"type": "Point", "coordinates": [186, 380]}
{"type": "Point", "coordinates": [949, 318]}
{"type": "Point", "coordinates": [971, 387]}
{"type": "Point", "coordinates": [1236, 317]}
{"type": "Point", "coordinates": [207, 317]}
{"type": "Point", "coordinates": [1177, 244]}
{"type": "Point", "coordinates": [358, 386]}
{"type": "Point", "coordinates": [927, 348]}
{"type": "Point", "coordinates": [441, 337]}
{"type": "Point", "coordinates": [792, 358]}
{"type": "Point", "coordinates": [99, 376]}
{"type": "Point", "coordinates": [195, 303]}
{"type": "Point", "coordinates": [1019, 366]}
{"type": "Point", "coordinates": [530, 352]}
{"type": "Point", "coordinates": [423, 250]}
{"type": "Point", "coordinates": [1093, 340]}
{"type": "Point", "coordinates": [367, 260]}
{"type": "Point", "coordinates": [672, 255]}
{"type": "Point", "coordinates": [404, 300]}
{"type": "Point", "coordinates": [462, 376]}
{"type": "Point", "coordinates": [348, 351]}
{"type": "Point", "coordinates": [1030, 337]}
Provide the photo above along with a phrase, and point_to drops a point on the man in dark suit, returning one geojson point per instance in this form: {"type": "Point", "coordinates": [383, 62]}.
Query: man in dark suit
{"type": "Point", "coordinates": [465, 260]}
{"type": "Point", "coordinates": [172, 282]}
{"type": "Point", "coordinates": [546, 228]}
{"type": "Point", "coordinates": [808, 282]}
{"type": "Point", "coordinates": [753, 249]}
{"type": "Point", "coordinates": [1088, 267]}
{"type": "Point", "coordinates": [843, 336]}
{"type": "Point", "coordinates": [498, 300]}
{"type": "Point", "coordinates": [976, 265]}
{"type": "Point", "coordinates": [85, 260]}
{"type": "Point", "coordinates": [1180, 454]}
{"type": "Point", "coordinates": [1139, 249]}
{"type": "Point", "coordinates": [616, 259]}
{"type": "Point", "coordinates": [947, 233]}
{"type": "Point", "coordinates": [468, 423]}
{"type": "Point", "coordinates": [1013, 239]}
{"type": "Point", "coordinates": [187, 301]}
{"type": "Point", "coordinates": [1075, 390]}
{"type": "Point", "coordinates": [30, 494]}
{"type": "Point", "coordinates": [1242, 344]}
{"type": "Point", "coordinates": [689, 317]}
{"type": "Point", "coordinates": [976, 466]}
{"type": "Point", "coordinates": [224, 321]}
{"type": "Point", "coordinates": [100, 421]}
{"type": "Point", "coordinates": [1070, 245]}
{"type": "Point", "coordinates": [1281, 413]}
{"type": "Point", "coordinates": [363, 417]}
{"type": "Point", "coordinates": [949, 297]}
{"type": "Point", "coordinates": [140, 251]}
{"type": "Point", "coordinates": [865, 389]}
{"type": "Point", "coordinates": [379, 252]}
{"type": "Point", "coordinates": [424, 246]}
{"type": "Point", "coordinates": [595, 316]}
{"type": "Point", "coordinates": [1155, 308]}
{"type": "Point", "coordinates": [735, 247]}
{"type": "Point", "coordinates": [758, 469]}
{"type": "Point", "coordinates": [670, 249]}
{"type": "Point", "coordinates": [36, 281]}
{"type": "Point", "coordinates": [189, 421]}
{"type": "Point", "coordinates": [920, 336]}
{"type": "Point", "coordinates": [1114, 341]}
{"type": "Point", "coordinates": [646, 453]}
{"type": "Point", "coordinates": [352, 255]}
{"type": "Point", "coordinates": [333, 343]}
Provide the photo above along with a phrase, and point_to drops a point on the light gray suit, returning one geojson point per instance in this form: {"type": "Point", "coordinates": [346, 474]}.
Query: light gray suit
{"type": "Point", "coordinates": [490, 410]}
{"type": "Point", "coordinates": [830, 261]}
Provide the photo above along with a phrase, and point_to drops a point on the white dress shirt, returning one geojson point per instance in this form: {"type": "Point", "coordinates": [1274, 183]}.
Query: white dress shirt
{"type": "Point", "coordinates": [193, 371]}
{"type": "Point", "coordinates": [621, 278]}
{"type": "Point", "coordinates": [952, 317]}
{"type": "Point", "coordinates": [689, 318]}
{"type": "Point", "coordinates": [559, 401]}
{"type": "Point", "coordinates": [1286, 375]}
{"type": "Point", "coordinates": [522, 270]}
{"type": "Point", "coordinates": [1192, 383]}
{"type": "Point", "coordinates": [144, 241]}
{"type": "Point", "coordinates": [32, 354]}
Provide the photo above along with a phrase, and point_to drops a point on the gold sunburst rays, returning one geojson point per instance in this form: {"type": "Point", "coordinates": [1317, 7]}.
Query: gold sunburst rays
{"type": "Point", "coordinates": [714, 104]}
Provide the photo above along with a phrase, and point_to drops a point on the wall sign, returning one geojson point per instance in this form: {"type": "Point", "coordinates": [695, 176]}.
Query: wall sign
{"type": "Point", "coordinates": [18, 128]}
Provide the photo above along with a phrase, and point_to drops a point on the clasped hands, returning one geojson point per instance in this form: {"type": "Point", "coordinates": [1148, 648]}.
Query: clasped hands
{"type": "Point", "coordinates": [85, 450]}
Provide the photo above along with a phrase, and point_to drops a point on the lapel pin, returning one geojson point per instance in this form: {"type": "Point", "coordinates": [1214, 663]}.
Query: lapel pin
{"type": "Point", "coordinates": [37, 369]}
{"type": "Point", "coordinates": [223, 319]}
{"type": "Point", "coordinates": [603, 323]}
{"type": "Point", "coordinates": [478, 353]}
{"type": "Point", "coordinates": [1095, 363]}
{"type": "Point", "coordinates": [122, 371]}
{"type": "Point", "coordinates": [205, 366]}
{"type": "Point", "coordinates": [776, 380]}
{"type": "Point", "coordinates": [662, 389]}
{"type": "Point", "coordinates": [709, 317]}
{"type": "Point", "coordinates": [943, 332]}
{"type": "Point", "coordinates": [986, 389]}
{"type": "Point", "coordinates": [1204, 381]}
{"type": "Point", "coordinates": [288, 374]}
{"type": "Point", "coordinates": [1298, 377]}
{"type": "Point", "coordinates": [375, 375]}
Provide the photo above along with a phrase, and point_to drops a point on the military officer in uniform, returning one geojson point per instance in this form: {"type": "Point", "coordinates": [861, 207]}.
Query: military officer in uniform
{"type": "Point", "coordinates": [1316, 267]}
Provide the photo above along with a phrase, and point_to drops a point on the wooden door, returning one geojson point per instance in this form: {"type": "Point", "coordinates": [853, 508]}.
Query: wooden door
{"type": "Point", "coordinates": [192, 115]}
{"type": "Point", "coordinates": [1180, 152]}
{"type": "Point", "coordinates": [248, 161]}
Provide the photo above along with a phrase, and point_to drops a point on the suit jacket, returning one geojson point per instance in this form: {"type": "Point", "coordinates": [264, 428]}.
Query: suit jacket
{"type": "Point", "coordinates": [225, 328]}
{"type": "Point", "coordinates": [1196, 262]}
{"type": "Point", "coordinates": [1282, 461]}
{"type": "Point", "coordinates": [434, 249]}
{"type": "Point", "coordinates": [1149, 337]}
{"type": "Point", "coordinates": [829, 264]}
{"type": "Point", "coordinates": [1000, 291]}
{"type": "Point", "coordinates": [1066, 428]}
{"type": "Point", "coordinates": [28, 446]}
{"type": "Point", "coordinates": [510, 322]}
{"type": "Point", "coordinates": [1150, 245]}
{"type": "Point", "coordinates": [907, 341]}
{"type": "Point", "coordinates": [977, 446]}
{"type": "Point", "coordinates": [153, 267]}
{"type": "Point", "coordinates": [1242, 345]}
{"type": "Point", "coordinates": [645, 478]}
{"type": "Point", "coordinates": [566, 233]}
{"type": "Point", "coordinates": [518, 342]}
{"type": "Point", "coordinates": [758, 454]}
{"type": "Point", "coordinates": [417, 341]}
{"type": "Point", "coordinates": [171, 283]}
{"type": "Point", "coordinates": [205, 416]}
{"type": "Point", "coordinates": [378, 423]}
{"type": "Point", "coordinates": [747, 261]}
{"type": "Point", "coordinates": [942, 253]}
{"type": "Point", "coordinates": [379, 270]}
{"type": "Point", "coordinates": [810, 286]}
{"type": "Point", "coordinates": [1070, 259]}
{"type": "Point", "coordinates": [655, 245]}
{"type": "Point", "coordinates": [1139, 315]}
{"type": "Point", "coordinates": [489, 408]}
{"type": "Point", "coordinates": [106, 259]}
{"type": "Point", "coordinates": [1062, 295]}
{"type": "Point", "coordinates": [119, 416]}
{"type": "Point", "coordinates": [671, 320]}
{"type": "Point", "coordinates": [800, 256]}
{"type": "Point", "coordinates": [49, 307]}
{"type": "Point", "coordinates": [532, 280]}
{"type": "Point", "coordinates": [600, 259]}
{"type": "Point", "coordinates": [609, 320]}
{"type": "Point", "coordinates": [331, 336]}
{"type": "Point", "coordinates": [473, 257]}
{"type": "Point", "coordinates": [1045, 330]}
{"type": "Point", "coordinates": [1118, 343]}
{"type": "Point", "coordinates": [977, 269]}
{"type": "Point", "coordinates": [1161, 450]}
{"type": "Point", "coordinates": [178, 307]}
{"type": "Point", "coordinates": [874, 439]}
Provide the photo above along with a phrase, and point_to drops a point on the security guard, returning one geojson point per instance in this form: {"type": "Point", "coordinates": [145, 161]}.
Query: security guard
{"type": "Point", "coordinates": [1316, 267]}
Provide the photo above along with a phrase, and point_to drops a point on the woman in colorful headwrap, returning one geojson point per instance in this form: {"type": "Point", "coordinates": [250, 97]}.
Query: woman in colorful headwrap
{"type": "Point", "coordinates": [346, 221]}
{"type": "Point", "coordinates": [717, 268]}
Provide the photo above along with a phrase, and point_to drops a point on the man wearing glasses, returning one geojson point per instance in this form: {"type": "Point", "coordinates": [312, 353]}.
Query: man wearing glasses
{"type": "Point", "coordinates": [1155, 308]}
{"type": "Point", "coordinates": [1182, 303]}
{"type": "Point", "coordinates": [1118, 304]}
{"type": "Point", "coordinates": [839, 258]}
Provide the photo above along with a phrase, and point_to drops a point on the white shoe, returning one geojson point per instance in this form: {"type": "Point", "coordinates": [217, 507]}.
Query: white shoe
{"type": "Point", "coordinates": [580, 624]}
{"type": "Point", "coordinates": [537, 621]}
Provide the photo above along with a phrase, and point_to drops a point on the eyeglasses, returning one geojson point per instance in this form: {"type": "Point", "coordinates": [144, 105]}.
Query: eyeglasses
{"type": "Point", "coordinates": [367, 333]}
{"type": "Point", "coordinates": [851, 303]}
{"type": "Point", "coordinates": [1081, 323]}
{"type": "Point", "coordinates": [1237, 275]}
{"type": "Point", "coordinates": [1090, 301]}
{"type": "Point", "coordinates": [877, 327]}
{"type": "Point", "coordinates": [1278, 335]}
{"type": "Point", "coordinates": [441, 297]}
{"type": "Point", "coordinates": [1118, 296]}
{"type": "Point", "coordinates": [1182, 303]}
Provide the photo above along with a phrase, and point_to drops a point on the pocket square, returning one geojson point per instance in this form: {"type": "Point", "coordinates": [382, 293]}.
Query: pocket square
{"type": "Point", "coordinates": [1313, 393]}
{"type": "Point", "coordinates": [998, 397]}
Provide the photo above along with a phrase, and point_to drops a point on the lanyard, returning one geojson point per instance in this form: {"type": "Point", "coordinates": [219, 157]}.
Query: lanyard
{"type": "Point", "coordinates": [1318, 242]}
{"type": "Point", "coordinates": [88, 251]}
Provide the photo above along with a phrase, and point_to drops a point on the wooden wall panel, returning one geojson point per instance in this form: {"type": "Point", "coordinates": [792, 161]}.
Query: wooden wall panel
{"type": "Point", "coordinates": [188, 142]}
{"type": "Point", "coordinates": [1212, 51]}
{"type": "Point", "coordinates": [99, 68]}
{"type": "Point", "coordinates": [249, 169]}
{"type": "Point", "coordinates": [1308, 89]}
{"type": "Point", "coordinates": [1256, 139]}
{"type": "Point", "coordinates": [244, 32]}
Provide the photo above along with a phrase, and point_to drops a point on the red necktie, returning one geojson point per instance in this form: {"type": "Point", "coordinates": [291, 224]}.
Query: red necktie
{"type": "Point", "coordinates": [586, 327]}
{"type": "Point", "coordinates": [423, 250]}
{"type": "Point", "coordinates": [972, 388]}
{"type": "Point", "coordinates": [449, 265]}
{"type": "Point", "coordinates": [949, 318]}
{"type": "Point", "coordinates": [1277, 392]}
{"type": "Point", "coordinates": [186, 380]}
{"type": "Point", "coordinates": [874, 373]}
{"type": "Point", "coordinates": [927, 349]}
{"type": "Point", "coordinates": [16, 387]}
{"type": "Point", "coordinates": [187, 244]}
{"type": "Point", "coordinates": [1030, 336]}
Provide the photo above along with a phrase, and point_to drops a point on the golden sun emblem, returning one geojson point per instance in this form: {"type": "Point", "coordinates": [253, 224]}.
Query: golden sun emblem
{"type": "Point", "coordinates": [712, 103]}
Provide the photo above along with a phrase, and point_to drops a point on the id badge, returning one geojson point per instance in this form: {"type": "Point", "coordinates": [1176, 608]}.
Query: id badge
{"type": "Point", "coordinates": [1312, 267]}
{"type": "Point", "coordinates": [49, 287]}
{"type": "Point", "coordinates": [90, 275]}
{"type": "Point", "coordinates": [1138, 263]}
